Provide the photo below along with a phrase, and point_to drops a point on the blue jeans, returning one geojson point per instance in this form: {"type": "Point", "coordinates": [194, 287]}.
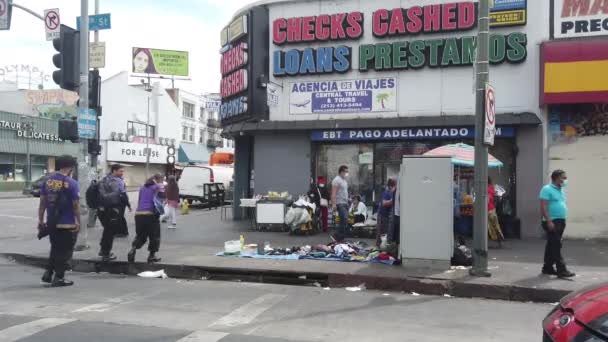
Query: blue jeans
{"type": "Point", "coordinates": [343, 214]}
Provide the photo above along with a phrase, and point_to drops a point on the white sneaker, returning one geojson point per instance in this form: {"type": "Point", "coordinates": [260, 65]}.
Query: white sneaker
{"type": "Point", "coordinates": [173, 226]}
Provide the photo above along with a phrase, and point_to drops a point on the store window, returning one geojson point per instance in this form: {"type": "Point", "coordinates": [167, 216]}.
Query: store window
{"type": "Point", "coordinates": [201, 138]}
{"type": "Point", "coordinates": [137, 129]}
{"type": "Point", "coordinates": [203, 114]}
{"type": "Point", "coordinates": [39, 166]}
{"type": "Point", "coordinates": [188, 110]}
{"type": "Point", "coordinates": [7, 167]}
{"type": "Point", "coordinates": [188, 134]}
{"type": "Point", "coordinates": [20, 168]}
{"type": "Point", "coordinates": [360, 161]}
{"type": "Point", "coordinates": [371, 165]}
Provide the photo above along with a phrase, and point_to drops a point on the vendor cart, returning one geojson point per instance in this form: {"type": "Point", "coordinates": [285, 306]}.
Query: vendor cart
{"type": "Point", "coordinates": [270, 214]}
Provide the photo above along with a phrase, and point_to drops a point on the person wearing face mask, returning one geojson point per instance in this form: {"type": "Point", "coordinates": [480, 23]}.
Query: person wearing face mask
{"type": "Point", "coordinates": [318, 195]}
{"type": "Point", "coordinates": [339, 200]}
{"type": "Point", "coordinates": [554, 211]}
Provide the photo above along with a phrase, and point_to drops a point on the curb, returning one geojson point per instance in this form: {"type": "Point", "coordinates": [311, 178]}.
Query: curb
{"type": "Point", "coordinates": [425, 286]}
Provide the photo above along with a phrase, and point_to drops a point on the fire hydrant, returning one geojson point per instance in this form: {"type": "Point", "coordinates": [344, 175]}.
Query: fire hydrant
{"type": "Point", "coordinates": [185, 207]}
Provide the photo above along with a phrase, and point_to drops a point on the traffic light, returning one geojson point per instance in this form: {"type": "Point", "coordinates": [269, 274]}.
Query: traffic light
{"type": "Point", "coordinates": [171, 155]}
{"type": "Point", "coordinates": [95, 90]}
{"type": "Point", "coordinates": [94, 147]}
{"type": "Point", "coordinates": [68, 130]}
{"type": "Point", "coordinates": [68, 59]}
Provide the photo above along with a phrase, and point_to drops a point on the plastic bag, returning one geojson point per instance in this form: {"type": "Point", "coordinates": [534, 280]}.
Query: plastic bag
{"type": "Point", "coordinates": [153, 274]}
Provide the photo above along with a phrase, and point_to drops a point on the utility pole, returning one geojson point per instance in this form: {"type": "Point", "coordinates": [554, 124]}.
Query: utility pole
{"type": "Point", "coordinates": [84, 170]}
{"type": "Point", "coordinates": [94, 157]}
{"type": "Point", "coordinates": [482, 76]}
{"type": "Point", "coordinates": [148, 139]}
{"type": "Point", "coordinates": [92, 215]}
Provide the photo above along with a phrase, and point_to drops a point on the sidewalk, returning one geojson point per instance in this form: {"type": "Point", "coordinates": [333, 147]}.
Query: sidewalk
{"type": "Point", "coordinates": [189, 252]}
{"type": "Point", "coordinates": [12, 195]}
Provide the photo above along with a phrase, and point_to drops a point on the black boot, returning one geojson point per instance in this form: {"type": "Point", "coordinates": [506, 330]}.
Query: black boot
{"type": "Point", "coordinates": [549, 270]}
{"type": "Point", "coordinates": [47, 277]}
{"type": "Point", "coordinates": [107, 257]}
{"type": "Point", "coordinates": [152, 258]}
{"type": "Point", "coordinates": [131, 256]}
{"type": "Point", "coordinates": [565, 273]}
{"type": "Point", "coordinates": [61, 282]}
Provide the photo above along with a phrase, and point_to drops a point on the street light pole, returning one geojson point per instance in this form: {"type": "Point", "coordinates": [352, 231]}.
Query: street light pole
{"type": "Point", "coordinates": [148, 141]}
{"type": "Point", "coordinates": [84, 170]}
{"type": "Point", "coordinates": [482, 76]}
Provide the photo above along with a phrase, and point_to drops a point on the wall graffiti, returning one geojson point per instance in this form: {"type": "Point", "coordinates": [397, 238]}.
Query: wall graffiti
{"type": "Point", "coordinates": [52, 104]}
{"type": "Point", "coordinates": [567, 124]}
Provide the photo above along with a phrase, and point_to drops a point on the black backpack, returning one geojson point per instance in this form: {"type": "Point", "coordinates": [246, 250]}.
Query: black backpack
{"type": "Point", "coordinates": [92, 195]}
{"type": "Point", "coordinates": [109, 193]}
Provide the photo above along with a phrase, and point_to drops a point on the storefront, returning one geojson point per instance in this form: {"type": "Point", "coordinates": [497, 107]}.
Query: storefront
{"type": "Point", "coordinates": [362, 85]}
{"type": "Point", "coordinates": [28, 135]}
{"type": "Point", "coordinates": [574, 91]}
{"type": "Point", "coordinates": [374, 155]}
{"type": "Point", "coordinates": [134, 157]}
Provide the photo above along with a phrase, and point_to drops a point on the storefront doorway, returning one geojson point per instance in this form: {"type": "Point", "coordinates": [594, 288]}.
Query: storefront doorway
{"type": "Point", "coordinates": [372, 164]}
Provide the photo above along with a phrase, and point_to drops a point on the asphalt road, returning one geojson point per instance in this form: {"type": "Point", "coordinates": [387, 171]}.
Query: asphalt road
{"type": "Point", "coordinates": [102, 307]}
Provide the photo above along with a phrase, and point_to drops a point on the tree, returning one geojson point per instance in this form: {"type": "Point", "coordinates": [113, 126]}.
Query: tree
{"type": "Point", "coordinates": [382, 98]}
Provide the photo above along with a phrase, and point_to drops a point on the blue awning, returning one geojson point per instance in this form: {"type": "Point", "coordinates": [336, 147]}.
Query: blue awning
{"type": "Point", "coordinates": [192, 153]}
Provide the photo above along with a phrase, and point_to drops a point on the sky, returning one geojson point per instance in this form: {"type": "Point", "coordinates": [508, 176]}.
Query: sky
{"type": "Point", "coordinates": [185, 25]}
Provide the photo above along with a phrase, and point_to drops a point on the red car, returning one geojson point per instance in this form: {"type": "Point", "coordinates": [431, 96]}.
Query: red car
{"type": "Point", "coordinates": [580, 317]}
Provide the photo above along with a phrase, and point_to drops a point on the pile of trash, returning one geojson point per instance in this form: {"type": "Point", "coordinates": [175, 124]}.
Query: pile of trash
{"type": "Point", "coordinates": [336, 251]}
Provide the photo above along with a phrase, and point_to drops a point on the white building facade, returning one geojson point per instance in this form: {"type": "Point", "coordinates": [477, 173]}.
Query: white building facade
{"type": "Point", "coordinates": [201, 133]}
{"type": "Point", "coordinates": [362, 83]}
{"type": "Point", "coordinates": [134, 119]}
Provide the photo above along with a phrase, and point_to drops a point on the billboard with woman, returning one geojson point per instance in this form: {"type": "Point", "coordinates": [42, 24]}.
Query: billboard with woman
{"type": "Point", "coordinates": [160, 62]}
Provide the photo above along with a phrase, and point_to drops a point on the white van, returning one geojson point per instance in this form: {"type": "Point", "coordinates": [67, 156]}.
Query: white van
{"type": "Point", "coordinates": [194, 177]}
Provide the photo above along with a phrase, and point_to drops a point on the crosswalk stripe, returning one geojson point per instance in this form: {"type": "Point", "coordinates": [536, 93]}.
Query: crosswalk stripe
{"type": "Point", "coordinates": [203, 336]}
{"type": "Point", "coordinates": [20, 331]}
{"type": "Point", "coordinates": [18, 217]}
{"type": "Point", "coordinates": [248, 312]}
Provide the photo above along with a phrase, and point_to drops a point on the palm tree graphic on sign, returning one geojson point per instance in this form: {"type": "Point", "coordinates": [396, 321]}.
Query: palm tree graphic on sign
{"type": "Point", "coordinates": [382, 98]}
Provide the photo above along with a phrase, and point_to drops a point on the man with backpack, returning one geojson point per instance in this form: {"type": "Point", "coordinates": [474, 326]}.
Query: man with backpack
{"type": "Point", "coordinates": [112, 195]}
{"type": "Point", "coordinates": [59, 198]}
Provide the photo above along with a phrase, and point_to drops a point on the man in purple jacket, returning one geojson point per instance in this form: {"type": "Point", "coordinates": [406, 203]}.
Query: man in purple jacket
{"type": "Point", "coordinates": [59, 197]}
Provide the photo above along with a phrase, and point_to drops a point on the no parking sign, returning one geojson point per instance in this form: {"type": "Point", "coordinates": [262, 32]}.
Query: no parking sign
{"type": "Point", "coordinates": [490, 114]}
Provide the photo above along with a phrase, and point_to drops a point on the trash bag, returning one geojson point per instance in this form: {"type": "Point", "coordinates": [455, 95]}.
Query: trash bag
{"type": "Point", "coordinates": [462, 256]}
{"type": "Point", "coordinates": [290, 216]}
{"type": "Point", "coordinates": [153, 274]}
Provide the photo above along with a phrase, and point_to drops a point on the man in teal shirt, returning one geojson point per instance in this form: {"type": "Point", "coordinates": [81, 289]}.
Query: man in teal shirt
{"type": "Point", "coordinates": [555, 212]}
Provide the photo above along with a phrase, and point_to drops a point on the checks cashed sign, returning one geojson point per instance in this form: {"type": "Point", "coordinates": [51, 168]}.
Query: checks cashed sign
{"type": "Point", "coordinates": [579, 18]}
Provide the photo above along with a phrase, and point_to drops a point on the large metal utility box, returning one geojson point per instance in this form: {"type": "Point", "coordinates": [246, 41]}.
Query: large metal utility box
{"type": "Point", "coordinates": [426, 205]}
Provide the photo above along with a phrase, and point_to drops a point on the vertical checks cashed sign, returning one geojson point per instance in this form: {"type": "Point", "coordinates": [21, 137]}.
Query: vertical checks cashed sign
{"type": "Point", "coordinates": [5, 15]}
{"type": "Point", "coordinates": [490, 114]}
{"type": "Point", "coordinates": [52, 24]}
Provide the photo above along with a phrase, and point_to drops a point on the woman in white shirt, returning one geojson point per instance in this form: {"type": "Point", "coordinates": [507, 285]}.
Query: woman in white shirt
{"type": "Point", "coordinates": [358, 210]}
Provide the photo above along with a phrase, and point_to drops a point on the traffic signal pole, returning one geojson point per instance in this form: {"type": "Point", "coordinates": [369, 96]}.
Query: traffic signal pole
{"type": "Point", "coordinates": [96, 39]}
{"type": "Point", "coordinates": [84, 170]}
{"type": "Point", "coordinates": [482, 76]}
